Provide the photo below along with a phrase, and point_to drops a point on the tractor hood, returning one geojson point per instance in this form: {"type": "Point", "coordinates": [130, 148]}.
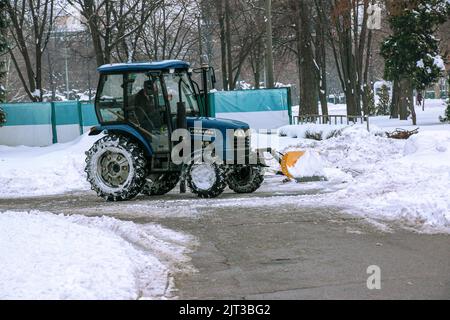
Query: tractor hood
{"type": "Point", "coordinates": [217, 123]}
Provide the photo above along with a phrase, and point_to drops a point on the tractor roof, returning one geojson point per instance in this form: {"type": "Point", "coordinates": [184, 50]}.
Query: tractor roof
{"type": "Point", "coordinates": [143, 66]}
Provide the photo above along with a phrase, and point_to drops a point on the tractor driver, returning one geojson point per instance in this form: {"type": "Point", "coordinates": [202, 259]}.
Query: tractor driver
{"type": "Point", "coordinates": [145, 97]}
{"type": "Point", "coordinates": [148, 115]}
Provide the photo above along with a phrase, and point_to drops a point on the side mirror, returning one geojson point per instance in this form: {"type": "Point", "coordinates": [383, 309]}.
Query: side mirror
{"type": "Point", "coordinates": [181, 115]}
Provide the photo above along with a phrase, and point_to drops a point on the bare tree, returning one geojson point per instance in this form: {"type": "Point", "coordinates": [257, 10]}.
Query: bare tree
{"type": "Point", "coordinates": [256, 56]}
{"type": "Point", "coordinates": [349, 38]}
{"type": "Point", "coordinates": [220, 12]}
{"type": "Point", "coordinates": [31, 24]}
{"type": "Point", "coordinates": [115, 26]}
{"type": "Point", "coordinates": [238, 37]}
{"type": "Point", "coordinates": [171, 31]}
{"type": "Point", "coordinates": [321, 60]}
{"type": "Point", "coordinates": [246, 38]}
{"type": "Point", "coordinates": [3, 50]}
{"type": "Point", "coordinates": [269, 45]}
{"type": "Point", "coordinates": [308, 68]}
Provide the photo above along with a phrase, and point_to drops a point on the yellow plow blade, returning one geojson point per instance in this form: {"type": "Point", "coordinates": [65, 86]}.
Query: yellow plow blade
{"type": "Point", "coordinates": [289, 160]}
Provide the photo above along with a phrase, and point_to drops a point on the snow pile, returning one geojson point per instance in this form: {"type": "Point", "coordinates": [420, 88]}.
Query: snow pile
{"type": "Point", "coordinates": [310, 165]}
{"type": "Point", "coordinates": [47, 256]}
{"type": "Point", "coordinates": [413, 188]}
{"type": "Point", "coordinates": [353, 151]}
{"type": "Point", "coordinates": [390, 179]}
{"type": "Point", "coordinates": [357, 150]}
{"type": "Point", "coordinates": [33, 171]}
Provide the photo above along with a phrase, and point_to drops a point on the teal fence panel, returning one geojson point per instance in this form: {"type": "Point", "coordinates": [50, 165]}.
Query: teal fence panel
{"type": "Point", "coordinates": [261, 109]}
{"type": "Point", "coordinates": [61, 117]}
{"type": "Point", "coordinates": [250, 100]}
{"type": "Point", "coordinates": [89, 118]}
{"type": "Point", "coordinates": [66, 112]}
{"type": "Point", "coordinates": [24, 114]}
{"type": "Point", "coordinates": [36, 113]}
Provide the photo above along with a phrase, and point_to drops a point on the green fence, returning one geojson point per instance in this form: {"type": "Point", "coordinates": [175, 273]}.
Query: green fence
{"type": "Point", "coordinates": [57, 115]}
{"type": "Point", "coordinates": [261, 109]}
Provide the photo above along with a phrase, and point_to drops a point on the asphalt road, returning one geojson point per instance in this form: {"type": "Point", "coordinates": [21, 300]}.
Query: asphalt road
{"type": "Point", "coordinates": [255, 247]}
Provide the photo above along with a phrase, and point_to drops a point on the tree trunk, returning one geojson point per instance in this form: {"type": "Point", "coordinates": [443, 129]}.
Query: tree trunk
{"type": "Point", "coordinates": [413, 115]}
{"type": "Point", "coordinates": [405, 98]}
{"type": "Point", "coordinates": [322, 64]}
{"type": "Point", "coordinates": [351, 101]}
{"type": "Point", "coordinates": [366, 99]}
{"type": "Point", "coordinates": [257, 54]}
{"type": "Point", "coordinates": [31, 85]}
{"type": "Point", "coordinates": [351, 92]}
{"type": "Point", "coordinates": [269, 46]}
{"type": "Point", "coordinates": [323, 101]}
{"type": "Point", "coordinates": [366, 83]}
{"type": "Point", "coordinates": [347, 62]}
{"type": "Point", "coordinates": [395, 100]}
{"type": "Point", "coordinates": [412, 106]}
{"type": "Point", "coordinates": [307, 65]}
{"type": "Point", "coordinates": [95, 34]}
{"type": "Point", "coordinates": [257, 76]}
{"type": "Point", "coordinates": [231, 83]}
{"type": "Point", "coordinates": [223, 46]}
{"type": "Point", "coordinates": [50, 76]}
{"type": "Point", "coordinates": [39, 72]}
{"type": "Point", "coordinates": [256, 65]}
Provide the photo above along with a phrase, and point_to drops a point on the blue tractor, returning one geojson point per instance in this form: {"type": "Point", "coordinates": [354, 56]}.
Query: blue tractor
{"type": "Point", "coordinates": [139, 106]}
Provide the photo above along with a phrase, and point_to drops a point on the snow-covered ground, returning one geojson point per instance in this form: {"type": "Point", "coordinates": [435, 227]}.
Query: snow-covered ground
{"type": "Point", "coordinates": [427, 119]}
{"type": "Point", "coordinates": [48, 256]}
{"type": "Point", "coordinates": [35, 171]}
{"type": "Point", "coordinates": [383, 178]}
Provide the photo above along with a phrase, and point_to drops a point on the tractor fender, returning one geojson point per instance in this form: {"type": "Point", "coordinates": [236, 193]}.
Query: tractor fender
{"type": "Point", "coordinates": [127, 131]}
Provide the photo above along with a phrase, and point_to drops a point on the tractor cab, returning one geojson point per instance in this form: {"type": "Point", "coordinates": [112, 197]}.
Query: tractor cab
{"type": "Point", "coordinates": [139, 106]}
{"type": "Point", "coordinates": [145, 96]}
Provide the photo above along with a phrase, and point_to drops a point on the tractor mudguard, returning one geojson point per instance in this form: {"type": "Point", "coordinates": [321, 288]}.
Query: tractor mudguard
{"type": "Point", "coordinates": [126, 131]}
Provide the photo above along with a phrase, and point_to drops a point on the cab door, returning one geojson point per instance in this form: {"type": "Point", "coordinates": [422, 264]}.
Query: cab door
{"type": "Point", "coordinates": [147, 109]}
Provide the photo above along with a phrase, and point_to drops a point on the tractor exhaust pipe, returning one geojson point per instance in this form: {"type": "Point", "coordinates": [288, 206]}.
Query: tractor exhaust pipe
{"type": "Point", "coordinates": [205, 69]}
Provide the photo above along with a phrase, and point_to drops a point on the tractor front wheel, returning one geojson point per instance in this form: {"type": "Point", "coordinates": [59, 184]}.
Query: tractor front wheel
{"type": "Point", "coordinates": [116, 168]}
{"type": "Point", "coordinates": [207, 180]}
{"type": "Point", "coordinates": [245, 178]}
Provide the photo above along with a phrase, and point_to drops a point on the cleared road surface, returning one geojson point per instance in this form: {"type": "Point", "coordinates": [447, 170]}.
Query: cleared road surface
{"type": "Point", "coordinates": [270, 246]}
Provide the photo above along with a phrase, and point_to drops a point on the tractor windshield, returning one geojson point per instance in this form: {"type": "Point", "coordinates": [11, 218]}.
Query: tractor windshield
{"type": "Point", "coordinates": [180, 89]}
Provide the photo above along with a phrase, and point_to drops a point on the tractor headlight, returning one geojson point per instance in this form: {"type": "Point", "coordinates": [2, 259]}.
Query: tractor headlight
{"type": "Point", "coordinates": [239, 133]}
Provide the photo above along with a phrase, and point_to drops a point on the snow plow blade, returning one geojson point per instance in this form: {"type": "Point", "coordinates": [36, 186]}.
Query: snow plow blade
{"type": "Point", "coordinates": [288, 160]}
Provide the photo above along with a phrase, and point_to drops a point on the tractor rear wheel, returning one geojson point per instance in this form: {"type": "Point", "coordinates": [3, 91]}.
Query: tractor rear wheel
{"type": "Point", "coordinates": [207, 180]}
{"type": "Point", "coordinates": [245, 178]}
{"type": "Point", "coordinates": [116, 168]}
{"type": "Point", "coordinates": [160, 184]}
